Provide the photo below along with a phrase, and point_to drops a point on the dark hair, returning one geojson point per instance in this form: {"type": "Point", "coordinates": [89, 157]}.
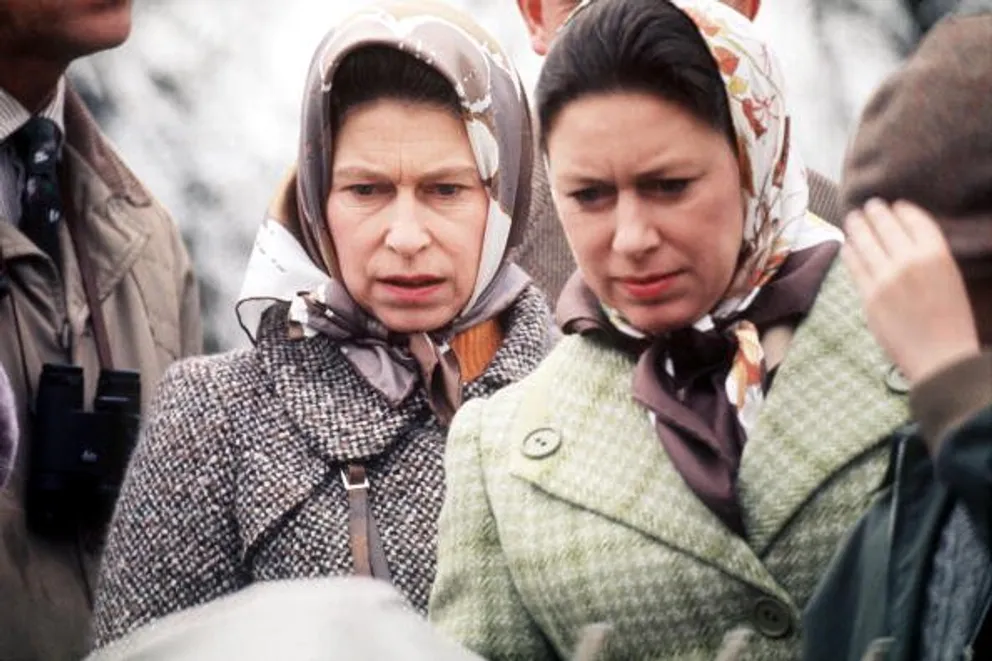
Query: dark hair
{"type": "Point", "coordinates": [633, 45]}
{"type": "Point", "coordinates": [373, 73]}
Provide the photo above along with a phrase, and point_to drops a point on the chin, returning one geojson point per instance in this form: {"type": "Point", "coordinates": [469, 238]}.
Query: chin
{"type": "Point", "coordinates": [413, 321]}
{"type": "Point", "coordinates": [660, 318]}
{"type": "Point", "coordinates": [108, 27]}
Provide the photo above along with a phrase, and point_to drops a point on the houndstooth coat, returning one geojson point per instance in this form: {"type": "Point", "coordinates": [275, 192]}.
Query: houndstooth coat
{"type": "Point", "coordinates": [564, 510]}
{"type": "Point", "coordinates": [236, 476]}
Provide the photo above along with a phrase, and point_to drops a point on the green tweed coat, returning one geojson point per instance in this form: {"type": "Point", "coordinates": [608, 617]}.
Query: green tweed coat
{"type": "Point", "coordinates": [563, 509]}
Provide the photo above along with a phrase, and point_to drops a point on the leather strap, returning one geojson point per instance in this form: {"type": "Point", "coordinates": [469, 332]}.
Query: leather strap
{"type": "Point", "coordinates": [86, 273]}
{"type": "Point", "coordinates": [366, 545]}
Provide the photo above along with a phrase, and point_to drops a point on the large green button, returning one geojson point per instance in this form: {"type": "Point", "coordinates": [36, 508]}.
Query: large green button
{"type": "Point", "coordinates": [541, 443]}
{"type": "Point", "coordinates": [772, 618]}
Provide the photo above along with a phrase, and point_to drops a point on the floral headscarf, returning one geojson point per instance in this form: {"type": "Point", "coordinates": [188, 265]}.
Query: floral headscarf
{"type": "Point", "coordinates": [777, 227]}
{"type": "Point", "coordinates": [296, 261]}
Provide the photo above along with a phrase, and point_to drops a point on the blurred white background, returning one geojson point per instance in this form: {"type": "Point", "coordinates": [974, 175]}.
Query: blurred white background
{"type": "Point", "coordinates": [203, 101]}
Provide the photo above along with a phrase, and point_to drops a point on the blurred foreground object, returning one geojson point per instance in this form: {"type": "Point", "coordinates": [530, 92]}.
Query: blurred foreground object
{"type": "Point", "coordinates": [316, 620]}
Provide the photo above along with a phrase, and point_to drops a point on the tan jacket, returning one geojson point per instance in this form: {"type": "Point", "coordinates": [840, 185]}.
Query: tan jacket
{"type": "Point", "coordinates": [144, 280]}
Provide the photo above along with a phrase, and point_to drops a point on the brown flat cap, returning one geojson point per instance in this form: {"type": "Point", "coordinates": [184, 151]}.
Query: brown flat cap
{"type": "Point", "coordinates": [926, 134]}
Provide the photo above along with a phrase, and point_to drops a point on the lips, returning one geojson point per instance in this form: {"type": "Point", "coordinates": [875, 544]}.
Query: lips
{"type": "Point", "coordinates": [645, 288]}
{"type": "Point", "coordinates": [411, 289]}
{"type": "Point", "coordinates": [412, 281]}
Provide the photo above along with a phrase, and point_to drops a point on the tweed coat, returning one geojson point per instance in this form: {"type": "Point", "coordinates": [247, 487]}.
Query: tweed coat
{"type": "Point", "coordinates": [564, 510]}
{"type": "Point", "coordinates": [236, 477]}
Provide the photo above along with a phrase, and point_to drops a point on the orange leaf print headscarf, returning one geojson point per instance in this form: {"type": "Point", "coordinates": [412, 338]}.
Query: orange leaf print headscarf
{"type": "Point", "coordinates": [784, 256]}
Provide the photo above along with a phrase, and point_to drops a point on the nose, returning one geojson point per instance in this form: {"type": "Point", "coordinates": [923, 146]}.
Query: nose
{"type": "Point", "coordinates": [634, 235]}
{"type": "Point", "coordinates": [407, 232]}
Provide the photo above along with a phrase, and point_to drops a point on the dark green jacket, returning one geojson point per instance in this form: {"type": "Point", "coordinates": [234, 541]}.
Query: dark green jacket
{"type": "Point", "coordinates": [869, 603]}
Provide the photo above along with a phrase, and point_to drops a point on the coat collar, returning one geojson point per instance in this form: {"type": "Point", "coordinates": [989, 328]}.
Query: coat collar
{"type": "Point", "coordinates": [608, 459]}
{"type": "Point", "coordinates": [325, 396]}
{"type": "Point", "coordinates": [611, 461]}
{"type": "Point", "coordinates": [832, 403]}
{"type": "Point", "coordinates": [112, 207]}
{"type": "Point", "coordinates": [323, 411]}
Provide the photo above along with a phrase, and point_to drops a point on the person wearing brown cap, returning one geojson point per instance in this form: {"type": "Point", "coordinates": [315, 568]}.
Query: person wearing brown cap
{"type": "Point", "coordinates": [914, 579]}
{"type": "Point", "coordinates": [544, 253]}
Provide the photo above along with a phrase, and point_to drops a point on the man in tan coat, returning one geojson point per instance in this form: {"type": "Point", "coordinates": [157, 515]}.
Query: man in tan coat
{"type": "Point", "coordinates": [57, 171]}
{"type": "Point", "coordinates": [545, 254]}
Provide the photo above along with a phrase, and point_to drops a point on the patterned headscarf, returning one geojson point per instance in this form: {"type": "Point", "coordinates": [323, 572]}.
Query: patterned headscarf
{"type": "Point", "coordinates": [298, 263]}
{"type": "Point", "coordinates": [777, 226]}
{"type": "Point", "coordinates": [775, 192]}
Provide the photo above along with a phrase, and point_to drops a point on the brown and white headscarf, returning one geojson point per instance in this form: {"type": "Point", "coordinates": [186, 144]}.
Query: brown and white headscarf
{"type": "Point", "coordinates": [296, 261]}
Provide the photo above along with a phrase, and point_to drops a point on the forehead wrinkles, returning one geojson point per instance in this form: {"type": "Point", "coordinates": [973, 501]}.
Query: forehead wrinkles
{"type": "Point", "coordinates": [394, 137]}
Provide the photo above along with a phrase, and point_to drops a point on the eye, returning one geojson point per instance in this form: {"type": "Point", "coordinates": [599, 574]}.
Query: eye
{"type": "Point", "coordinates": [665, 187]}
{"type": "Point", "coordinates": [591, 196]}
{"type": "Point", "coordinates": [364, 190]}
{"type": "Point", "coordinates": [445, 190]}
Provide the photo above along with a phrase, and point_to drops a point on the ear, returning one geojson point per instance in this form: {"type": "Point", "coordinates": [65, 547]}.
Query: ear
{"type": "Point", "coordinates": [533, 15]}
{"type": "Point", "coordinates": [747, 7]}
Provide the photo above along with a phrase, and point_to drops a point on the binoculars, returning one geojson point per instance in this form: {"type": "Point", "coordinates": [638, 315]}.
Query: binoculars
{"type": "Point", "coordinates": [78, 457]}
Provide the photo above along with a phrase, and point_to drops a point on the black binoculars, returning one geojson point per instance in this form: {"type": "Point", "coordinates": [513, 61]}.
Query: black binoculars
{"type": "Point", "coordinates": [78, 457]}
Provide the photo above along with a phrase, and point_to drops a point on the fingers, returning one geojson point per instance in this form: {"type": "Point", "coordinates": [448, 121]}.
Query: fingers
{"type": "Point", "coordinates": [921, 226]}
{"type": "Point", "coordinates": [864, 244]}
{"type": "Point", "coordinates": [890, 231]}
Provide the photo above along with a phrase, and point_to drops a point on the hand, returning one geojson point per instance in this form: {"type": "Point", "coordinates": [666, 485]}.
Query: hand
{"type": "Point", "coordinates": [282, 206]}
{"type": "Point", "coordinates": [913, 293]}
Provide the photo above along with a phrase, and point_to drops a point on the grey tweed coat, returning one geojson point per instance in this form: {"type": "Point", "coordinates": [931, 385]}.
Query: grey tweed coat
{"type": "Point", "coordinates": [236, 476]}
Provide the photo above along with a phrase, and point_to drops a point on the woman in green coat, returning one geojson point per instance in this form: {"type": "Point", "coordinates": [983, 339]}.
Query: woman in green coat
{"type": "Point", "coordinates": [686, 460]}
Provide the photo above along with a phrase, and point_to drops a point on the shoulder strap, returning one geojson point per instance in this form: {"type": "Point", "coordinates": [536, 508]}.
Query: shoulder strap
{"type": "Point", "coordinates": [86, 274]}
{"type": "Point", "coordinates": [366, 545]}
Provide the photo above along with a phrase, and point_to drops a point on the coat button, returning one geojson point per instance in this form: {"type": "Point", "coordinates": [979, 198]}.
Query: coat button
{"type": "Point", "coordinates": [772, 618]}
{"type": "Point", "coordinates": [540, 443]}
{"type": "Point", "coordinates": [896, 382]}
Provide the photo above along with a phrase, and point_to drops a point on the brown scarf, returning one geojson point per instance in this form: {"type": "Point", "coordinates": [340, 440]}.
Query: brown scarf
{"type": "Point", "coordinates": [695, 421]}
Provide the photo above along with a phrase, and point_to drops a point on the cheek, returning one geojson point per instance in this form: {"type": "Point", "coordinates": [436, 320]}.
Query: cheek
{"type": "Point", "coordinates": [461, 235]}
{"type": "Point", "coordinates": [719, 246]}
{"type": "Point", "coordinates": [352, 245]}
{"type": "Point", "coordinates": [588, 236]}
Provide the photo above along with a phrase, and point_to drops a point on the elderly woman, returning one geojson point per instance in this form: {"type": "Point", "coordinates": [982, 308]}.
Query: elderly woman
{"type": "Point", "coordinates": [685, 461]}
{"type": "Point", "coordinates": [319, 451]}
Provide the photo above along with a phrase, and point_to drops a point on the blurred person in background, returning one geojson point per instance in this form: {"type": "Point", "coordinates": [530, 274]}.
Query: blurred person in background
{"type": "Point", "coordinates": [685, 461]}
{"type": "Point", "coordinates": [94, 281]}
{"type": "Point", "coordinates": [388, 301]}
{"type": "Point", "coordinates": [914, 580]}
{"type": "Point", "coordinates": [545, 253]}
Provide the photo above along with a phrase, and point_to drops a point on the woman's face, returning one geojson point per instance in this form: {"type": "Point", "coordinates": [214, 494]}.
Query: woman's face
{"type": "Point", "coordinates": [650, 200]}
{"type": "Point", "coordinates": [407, 212]}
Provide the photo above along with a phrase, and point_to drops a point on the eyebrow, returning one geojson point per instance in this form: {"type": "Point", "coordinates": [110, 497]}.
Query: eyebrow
{"type": "Point", "coordinates": [665, 171]}
{"type": "Point", "coordinates": [443, 172]}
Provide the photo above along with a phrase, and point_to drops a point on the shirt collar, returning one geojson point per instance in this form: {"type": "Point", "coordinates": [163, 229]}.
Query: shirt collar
{"type": "Point", "coordinates": [13, 115]}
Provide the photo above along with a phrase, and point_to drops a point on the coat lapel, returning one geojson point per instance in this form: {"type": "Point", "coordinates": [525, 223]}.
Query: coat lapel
{"type": "Point", "coordinates": [114, 233]}
{"type": "Point", "coordinates": [325, 414]}
{"type": "Point", "coordinates": [828, 406]}
{"type": "Point", "coordinates": [593, 446]}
